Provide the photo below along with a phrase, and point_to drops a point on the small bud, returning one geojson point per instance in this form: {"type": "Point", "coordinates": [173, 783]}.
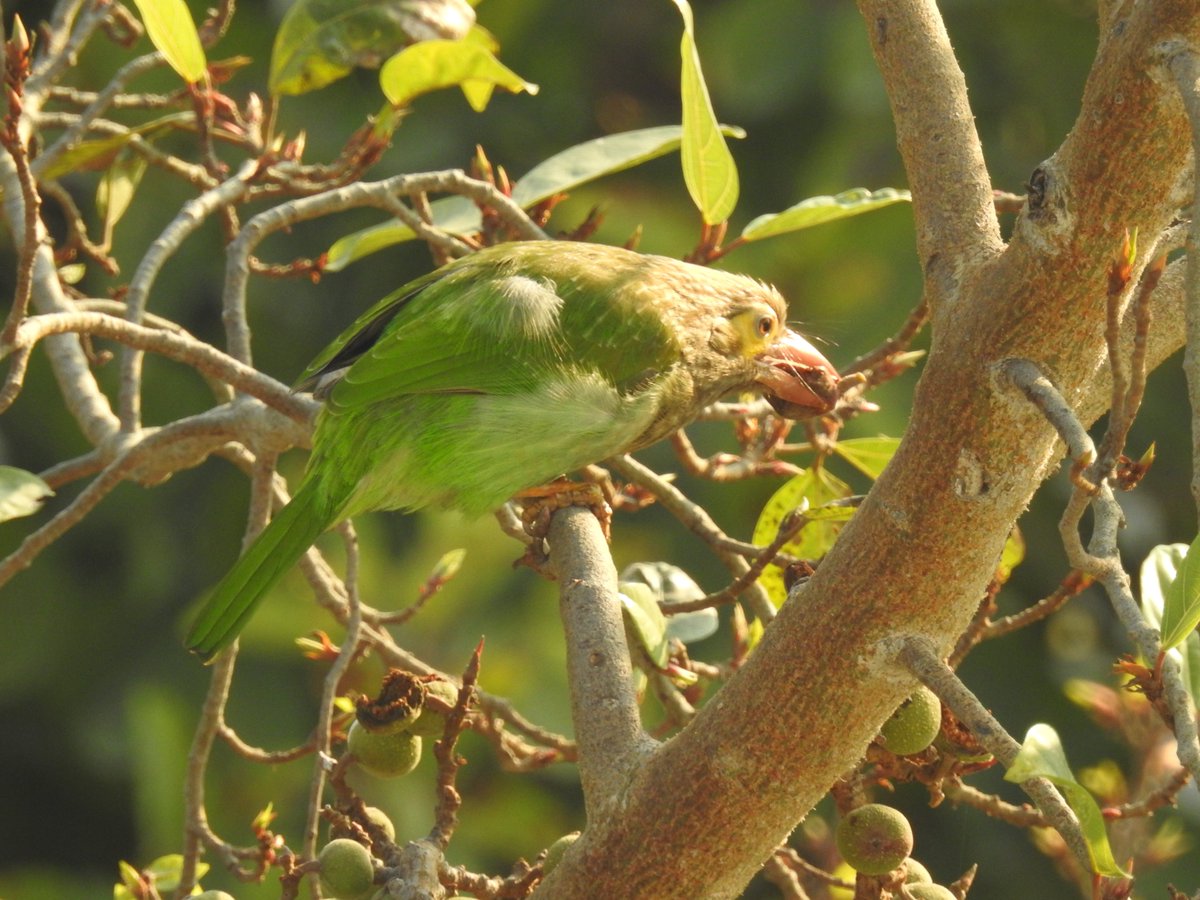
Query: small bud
{"type": "Point", "coordinates": [18, 41]}
{"type": "Point", "coordinates": [481, 167]}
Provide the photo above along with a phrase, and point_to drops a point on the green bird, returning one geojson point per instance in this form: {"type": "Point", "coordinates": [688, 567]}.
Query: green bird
{"type": "Point", "coordinates": [508, 368]}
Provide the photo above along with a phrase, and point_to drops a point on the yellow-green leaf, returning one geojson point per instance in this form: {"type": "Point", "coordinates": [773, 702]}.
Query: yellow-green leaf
{"type": "Point", "coordinates": [868, 455]}
{"type": "Point", "coordinates": [1158, 572]}
{"type": "Point", "coordinates": [1011, 556]}
{"type": "Point", "coordinates": [708, 167]}
{"type": "Point", "coordinates": [99, 154]}
{"type": "Point", "coordinates": [598, 157]}
{"type": "Point", "coordinates": [1181, 604]}
{"type": "Point", "coordinates": [170, 28]}
{"type": "Point", "coordinates": [72, 273]}
{"type": "Point", "coordinates": [21, 493]}
{"type": "Point", "coordinates": [432, 65]}
{"type": "Point", "coordinates": [115, 191]}
{"type": "Point", "coordinates": [644, 621]}
{"type": "Point", "coordinates": [320, 41]}
{"type": "Point", "coordinates": [818, 210]}
{"type": "Point", "coordinates": [165, 871]}
{"type": "Point", "coordinates": [1042, 756]}
{"type": "Point", "coordinates": [816, 487]}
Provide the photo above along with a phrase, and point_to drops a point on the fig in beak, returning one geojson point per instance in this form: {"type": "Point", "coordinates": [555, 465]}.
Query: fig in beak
{"type": "Point", "coordinates": [796, 379]}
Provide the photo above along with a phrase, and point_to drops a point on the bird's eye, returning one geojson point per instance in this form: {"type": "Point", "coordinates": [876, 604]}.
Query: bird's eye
{"type": "Point", "coordinates": [765, 326]}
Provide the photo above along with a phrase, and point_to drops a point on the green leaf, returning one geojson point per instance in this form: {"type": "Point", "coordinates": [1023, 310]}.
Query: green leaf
{"type": "Point", "coordinates": [1181, 604]}
{"type": "Point", "coordinates": [818, 210]}
{"type": "Point", "coordinates": [432, 65]}
{"type": "Point", "coordinates": [21, 493]}
{"type": "Point", "coordinates": [172, 31]}
{"type": "Point", "coordinates": [596, 158]}
{"type": "Point", "coordinates": [1042, 756]}
{"type": "Point", "coordinates": [166, 871]}
{"type": "Point", "coordinates": [320, 41]}
{"type": "Point", "coordinates": [816, 488]}
{"type": "Point", "coordinates": [115, 191]}
{"type": "Point", "coordinates": [1011, 556]}
{"type": "Point", "coordinates": [1189, 665]}
{"type": "Point", "coordinates": [690, 627]}
{"type": "Point", "coordinates": [131, 880]}
{"type": "Point", "coordinates": [671, 584]}
{"type": "Point", "coordinates": [644, 621]}
{"type": "Point", "coordinates": [72, 273]}
{"type": "Point", "coordinates": [708, 167]}
{"type": "Point", "coordinates": [560, 173]}
{"type": "Point", "coordinates": [456, 215]}
{"type": "Point", "coordinates": [868, 455]}
{"type": "Point", "coordinates": [100, 153]}
{"type": "Point", "coordinates": [1157, 574]}
{"type": "Point", "coordinates": [449, 564]}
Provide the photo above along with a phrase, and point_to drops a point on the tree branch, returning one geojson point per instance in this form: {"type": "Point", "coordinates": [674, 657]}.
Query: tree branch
{"type": "Point", "coordinates": [935, 130]}
{"type": "Point", "coordinates": [604, 706]}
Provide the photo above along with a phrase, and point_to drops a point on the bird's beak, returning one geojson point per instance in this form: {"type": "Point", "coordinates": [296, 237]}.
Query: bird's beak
{"type": "Point", "coordinates": [797, 380]}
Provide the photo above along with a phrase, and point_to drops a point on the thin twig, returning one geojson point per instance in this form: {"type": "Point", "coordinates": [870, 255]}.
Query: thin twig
{"type": "Point", "coordinates": [191, 217]}
{"type": "Point", "coordinates": [329, 693]}
{"type": "Point", "coordinates": [195, 817]}
{"type": "Point", "coordinates": [175, 345]}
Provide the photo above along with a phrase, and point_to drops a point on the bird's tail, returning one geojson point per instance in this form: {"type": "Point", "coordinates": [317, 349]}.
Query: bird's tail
{"type": "Point", "coordinates": [274, 551]}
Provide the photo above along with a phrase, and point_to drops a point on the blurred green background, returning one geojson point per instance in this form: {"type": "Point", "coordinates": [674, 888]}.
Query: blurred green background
{"type": "Point", "coordinates": [98, 699]}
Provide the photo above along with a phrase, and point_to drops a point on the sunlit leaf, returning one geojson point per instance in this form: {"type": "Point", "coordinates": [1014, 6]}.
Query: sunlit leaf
{"type": "Point", "coordinates": [170, 28]}
{"type": "Point", "coordinates": [708, 168]}
{"type": "Point", "coordinates": [754, 634]}
{"type": "Point", "coordinates": [644, 621]}
{"type": "Point", "coordinates": [166, 870]}
{"type": "Point", "coordinates": [1157, 573]}
{"type": "Point", "coordinates": [433, 65]}
{"type": "Point", "coordinates": [21, 493]}
{"type": "Point", "coordinates": [818, 210]}
{"type": "Point", "coordinates": [131, 878]}
{"type": "Point", "coordinates": [320, 41]}
{"type": "Point", "coordinates": [72, 273]}
{"type": "Point", "coordinates": [115, 191]}
{"type": "Point", "coordinates": [1042, 756]}
{"type": "Point", "coordinates": [868, 455]}
{"type": "Point", "coordinates": [816, 487]}
{"type": "Point", "coordinates": [560, 173]}
{"type": "Point", "coordinates": [1011, 556]}
{"type": "Point", "coordinates": [596, 158]}
{"type": "Point", "coordinates": [1181, 603]}
{"type": "Point", "coordinates": [449, 564]}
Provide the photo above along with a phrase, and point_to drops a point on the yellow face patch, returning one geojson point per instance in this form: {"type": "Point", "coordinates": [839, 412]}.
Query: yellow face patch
{"type": "Point", "coordinates": [757, 327]}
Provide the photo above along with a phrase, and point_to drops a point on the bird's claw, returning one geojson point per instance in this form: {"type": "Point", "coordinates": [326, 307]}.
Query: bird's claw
{"type": "Point", "coordinates": [538, 504]}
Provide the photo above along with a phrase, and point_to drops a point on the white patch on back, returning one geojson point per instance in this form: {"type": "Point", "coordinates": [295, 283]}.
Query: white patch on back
{"type": "Point", "coordinates": [533, 305]}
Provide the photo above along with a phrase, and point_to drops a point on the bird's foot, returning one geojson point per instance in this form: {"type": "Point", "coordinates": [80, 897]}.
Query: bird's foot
{"type": "Point", "coordinates": [539, 503]}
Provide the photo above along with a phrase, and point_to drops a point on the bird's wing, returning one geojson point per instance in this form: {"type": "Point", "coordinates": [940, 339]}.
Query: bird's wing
{"type": "Point", "coordinates": [482, 329]}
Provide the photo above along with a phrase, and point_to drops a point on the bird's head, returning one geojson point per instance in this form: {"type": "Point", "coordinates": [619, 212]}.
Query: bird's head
{"type": "Point", "coordinates": [797, 380]}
